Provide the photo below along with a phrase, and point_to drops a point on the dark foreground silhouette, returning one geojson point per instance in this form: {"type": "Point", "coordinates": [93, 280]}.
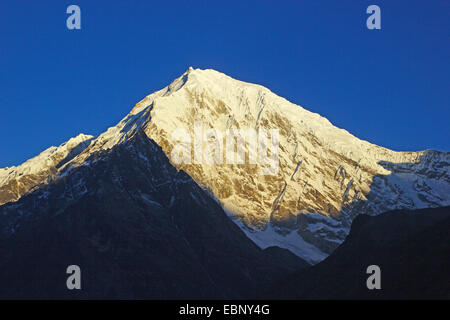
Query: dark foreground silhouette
{"type": "Point", "coordinates": [412, 249]}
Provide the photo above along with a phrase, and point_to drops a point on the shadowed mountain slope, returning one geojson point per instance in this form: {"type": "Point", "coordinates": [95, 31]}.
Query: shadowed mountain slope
{"type": "Point", "coordinates": [137, 227]}
{"type": "Point", "coordinates": [410, 247]}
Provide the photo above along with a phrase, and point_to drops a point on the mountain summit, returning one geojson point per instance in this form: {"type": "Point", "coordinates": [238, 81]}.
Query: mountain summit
{"type": "Point", "coordinates": [325, 176]}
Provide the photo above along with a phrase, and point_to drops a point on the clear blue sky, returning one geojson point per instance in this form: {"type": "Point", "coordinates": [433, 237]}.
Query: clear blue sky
{"type": "Point", "coordinates": [388, 86]}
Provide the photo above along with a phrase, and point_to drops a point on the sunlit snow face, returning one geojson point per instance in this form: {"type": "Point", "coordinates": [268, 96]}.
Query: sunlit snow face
{"type": "Point", "coordinates": [208, 147]}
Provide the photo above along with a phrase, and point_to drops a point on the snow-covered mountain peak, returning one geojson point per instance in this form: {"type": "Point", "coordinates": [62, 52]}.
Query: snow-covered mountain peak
{"type": "Point", "coordinates": [324, 170]}
{"type": "Point", "coordinates": [326, 176]}
{"type": "Point", "coordinates": [40, 161]}
{"type": "Point", "coordinates": [18, 180]}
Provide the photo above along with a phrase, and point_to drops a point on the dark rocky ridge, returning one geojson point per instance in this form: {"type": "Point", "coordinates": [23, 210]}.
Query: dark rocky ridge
{"type": "Point", "coordinates": [410, 247]}
{"type": "Point", "coordinates": [138, 228]}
